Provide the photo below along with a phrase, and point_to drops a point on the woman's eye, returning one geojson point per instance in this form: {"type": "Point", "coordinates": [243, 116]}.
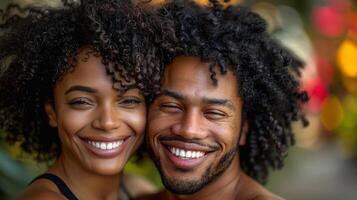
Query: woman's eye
{"type": "Point", "coordinates": [80, 103]}
{"type": "Point", "coordinates": [130, 102]}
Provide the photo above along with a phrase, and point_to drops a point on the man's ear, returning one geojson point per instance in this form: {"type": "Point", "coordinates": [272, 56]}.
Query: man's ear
{"type": "Point", "coordinates": [51, 114]}
{"type": "Point", "coordinates": [244, 133]}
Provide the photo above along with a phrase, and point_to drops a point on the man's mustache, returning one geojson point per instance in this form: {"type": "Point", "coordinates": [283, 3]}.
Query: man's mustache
{"type": "Point", "coordinates": [193, 141]}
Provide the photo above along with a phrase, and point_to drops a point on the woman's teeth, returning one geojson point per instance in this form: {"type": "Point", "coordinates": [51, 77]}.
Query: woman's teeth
{"type": "Point", "coordinates": [186, 154]}
{"type": "Point", "coordinates": [105, 145]}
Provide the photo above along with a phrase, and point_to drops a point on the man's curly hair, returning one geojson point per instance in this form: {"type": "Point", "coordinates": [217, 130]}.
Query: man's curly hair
{"type": "Point", "coordinates": [38, 45]}
{"type": "Point", "coordinates": [233, 38]}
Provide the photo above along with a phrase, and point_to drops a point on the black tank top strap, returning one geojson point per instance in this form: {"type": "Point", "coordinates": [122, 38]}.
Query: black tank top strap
{"type": "Point", "coordinates": [61, 185]}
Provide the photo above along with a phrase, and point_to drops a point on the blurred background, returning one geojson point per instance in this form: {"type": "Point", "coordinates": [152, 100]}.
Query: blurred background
{"type": "Point", "coordinates": [323, 163]}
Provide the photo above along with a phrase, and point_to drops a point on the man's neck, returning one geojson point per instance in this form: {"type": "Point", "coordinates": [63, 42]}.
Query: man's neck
{"type": "Point", "coordinates": [224, 187]}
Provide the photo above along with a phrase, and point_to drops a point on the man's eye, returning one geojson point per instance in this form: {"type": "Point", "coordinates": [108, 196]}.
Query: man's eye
{"type": "Point", "coordinates": [170, 107]}
{"type": "Point", "coordinates": [215, 114]}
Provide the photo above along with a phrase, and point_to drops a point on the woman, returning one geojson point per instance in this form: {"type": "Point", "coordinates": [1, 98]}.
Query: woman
{"type": "Point", "coordinates": [73, 89]}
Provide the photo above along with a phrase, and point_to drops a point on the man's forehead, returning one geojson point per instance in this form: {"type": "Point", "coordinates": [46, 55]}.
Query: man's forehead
{"type": "Point", "coordinates": [187, 70]}
{"type": "Point", "coordinates": [189, 77]}
{"type": "Point", "coordinates": [190, 70]}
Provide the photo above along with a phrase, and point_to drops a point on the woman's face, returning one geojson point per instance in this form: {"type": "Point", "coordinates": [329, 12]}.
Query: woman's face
{"type": "Point", "coordinates": [98, 128]}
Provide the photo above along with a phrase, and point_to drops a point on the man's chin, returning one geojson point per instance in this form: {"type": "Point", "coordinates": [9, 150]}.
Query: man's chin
{"type": "Point", "coordinates": [177, 185]}
{"type": "Point", "coordinates": [184, 187]}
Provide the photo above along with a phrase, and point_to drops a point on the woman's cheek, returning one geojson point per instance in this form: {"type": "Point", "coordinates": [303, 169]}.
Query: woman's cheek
{"type": "Point", "coordinates": [137, 120]}
{"type": "Point", "coordinates": [73, 121]}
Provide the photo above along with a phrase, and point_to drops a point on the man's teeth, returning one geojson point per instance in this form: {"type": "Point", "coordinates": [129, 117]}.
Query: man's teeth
{"type": "Point", "coordinates": [105, 145]}
{"type": "Point", "coordinates": [186, 154]}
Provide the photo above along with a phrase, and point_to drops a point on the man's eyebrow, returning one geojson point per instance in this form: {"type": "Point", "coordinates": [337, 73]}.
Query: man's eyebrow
{"type": "Point", "coordinates": [221, 102]}
{"type": "Point", "coordinates": [82, 89]}
{"type": "Point", "coordinates": [212, 101]}
{"type": "Point", "coordinates": [172, 94]}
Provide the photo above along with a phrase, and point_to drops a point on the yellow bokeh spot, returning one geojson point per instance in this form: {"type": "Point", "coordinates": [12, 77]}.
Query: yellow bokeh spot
{"type": "Point", "coordinates": [347, 58]}
{"type": "Point", "coordinates": [205, 2]}
{"type": "Point", "coordinates": [332, 113]}
{"type": "Point", "coordinates": [201, 2]}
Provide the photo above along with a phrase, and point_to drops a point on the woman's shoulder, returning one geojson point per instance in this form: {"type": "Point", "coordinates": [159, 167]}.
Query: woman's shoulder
{"type": "Point", "coordinates": [40, 190]}
{"type": "Point", "coordinates": [41, 195]}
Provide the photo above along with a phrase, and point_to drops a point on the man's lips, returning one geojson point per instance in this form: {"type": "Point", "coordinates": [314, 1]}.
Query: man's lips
{"type": "Point", "coordinates": [188, 146]}
{"type": "Point", "coordinates": [185, 155]}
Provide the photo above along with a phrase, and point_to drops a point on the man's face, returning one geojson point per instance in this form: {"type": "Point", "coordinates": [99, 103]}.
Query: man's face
{"type": "Point", "coordinates": [194, 127]}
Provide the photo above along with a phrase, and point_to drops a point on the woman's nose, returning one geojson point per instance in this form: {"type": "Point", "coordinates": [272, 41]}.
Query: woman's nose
{"type": "Point", "coordinates": [108, 118]}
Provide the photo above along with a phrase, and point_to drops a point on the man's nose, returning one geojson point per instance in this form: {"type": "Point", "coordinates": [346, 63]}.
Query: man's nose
{"type": "Point", "coordinates": [108, 118]}
{"type": "Point", "coordinates": [191, 125]}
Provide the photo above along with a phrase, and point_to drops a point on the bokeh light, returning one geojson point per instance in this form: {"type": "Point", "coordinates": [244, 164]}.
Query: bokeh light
{"type": "Point", "coordinates": [347, 58]}
{"type": "Point", "coordinates": [332, 113]}
{"type": "Point", "coordinates": [329, 21]}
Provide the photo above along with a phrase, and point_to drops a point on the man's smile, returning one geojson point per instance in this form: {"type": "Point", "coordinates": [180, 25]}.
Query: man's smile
{"type": "Point", "coordinates": [185, 155]}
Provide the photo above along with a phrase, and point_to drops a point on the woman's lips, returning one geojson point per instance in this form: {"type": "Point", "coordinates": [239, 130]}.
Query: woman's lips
{"type": "Point", "coordinates": [105, 145]}
{"type": "Point", "coordinates": [106, 149]}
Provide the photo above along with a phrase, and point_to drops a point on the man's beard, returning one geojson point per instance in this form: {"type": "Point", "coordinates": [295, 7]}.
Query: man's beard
{"type": "Point", "coordinates": [193, 186]}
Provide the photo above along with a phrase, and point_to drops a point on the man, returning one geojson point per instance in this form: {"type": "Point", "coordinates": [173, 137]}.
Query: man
{"type": "Point", "coordinates": [223, 116]}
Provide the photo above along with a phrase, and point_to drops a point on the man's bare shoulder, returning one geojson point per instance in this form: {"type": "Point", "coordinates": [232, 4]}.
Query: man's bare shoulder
{"type": "Point", "coordinates": [262, 193]}
{"type": "Point", "coordinates": [268, 197]}
{"type": "Point", "coordinates": [255, 191]}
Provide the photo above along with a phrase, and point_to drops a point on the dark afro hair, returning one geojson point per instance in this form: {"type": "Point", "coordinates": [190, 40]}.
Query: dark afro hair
{"type": "Point", "coordinates": [233, 38]}
{"type": "Point", "coordinates": [38, 45]}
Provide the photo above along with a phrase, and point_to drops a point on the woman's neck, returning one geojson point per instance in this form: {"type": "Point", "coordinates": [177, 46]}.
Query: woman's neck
{"type": "Point", "coordinates": [84, 183]}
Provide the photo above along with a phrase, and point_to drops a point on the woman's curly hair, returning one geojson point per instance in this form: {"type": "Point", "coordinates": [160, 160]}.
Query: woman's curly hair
{"type": "Point", "coordinates": [38, 45]}
{"type": "Point", "coordinates": [233, 38]}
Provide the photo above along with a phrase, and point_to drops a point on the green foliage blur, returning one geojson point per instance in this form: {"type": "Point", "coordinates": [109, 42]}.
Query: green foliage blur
{"type": "Point", "coordinates": [14, 176]}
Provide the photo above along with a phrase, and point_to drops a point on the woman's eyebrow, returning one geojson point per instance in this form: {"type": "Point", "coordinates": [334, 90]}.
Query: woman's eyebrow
{"type": "Point", "coordinates": [82, 89]}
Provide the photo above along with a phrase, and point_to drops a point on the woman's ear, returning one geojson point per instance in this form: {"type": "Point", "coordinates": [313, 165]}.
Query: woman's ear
{"type": "Point", "coordinates": [51, 114]}
{"type": "Point", "coordinates": [244, 133]}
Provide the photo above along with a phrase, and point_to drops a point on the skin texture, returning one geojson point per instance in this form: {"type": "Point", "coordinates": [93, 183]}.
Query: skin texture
{"type": "Point", "coordinates": [87, 107]}
{"type": "Point", "coordinates": [193, 114]}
